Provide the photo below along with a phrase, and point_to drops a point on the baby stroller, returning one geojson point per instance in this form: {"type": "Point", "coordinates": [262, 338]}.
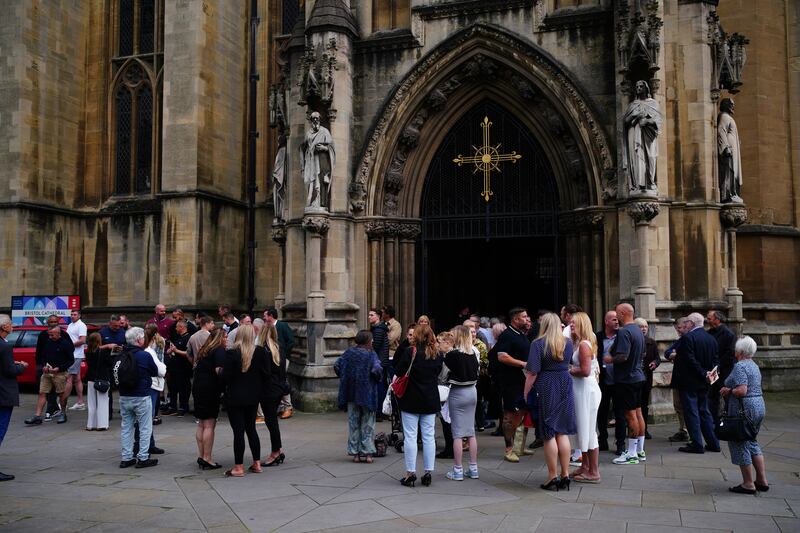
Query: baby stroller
{"type": "Point", "coordinates": [396, 436]}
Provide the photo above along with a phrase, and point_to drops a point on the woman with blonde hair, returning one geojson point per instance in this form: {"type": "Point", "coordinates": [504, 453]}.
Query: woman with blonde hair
{"type": "Point", "coordinates": [585, 371]}
{"type": "Point", "coordinates": [548, 387]}
{"type": "Point", "coordinates": [154, 345]}
{"type": "Point", "coordinates": [206, 390]}
{"type": "Point", "coordinates": [420, 402]}
{"type": "Point", "coordinates": [276, 388]}
{"type": "Point", "coordinates": [462, 365]}
{"type": "Point", "coordinates": [245, 374]}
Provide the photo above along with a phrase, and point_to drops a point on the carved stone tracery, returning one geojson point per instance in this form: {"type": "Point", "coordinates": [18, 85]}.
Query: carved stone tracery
{"type": "Point", "coordinates": [478, 68]}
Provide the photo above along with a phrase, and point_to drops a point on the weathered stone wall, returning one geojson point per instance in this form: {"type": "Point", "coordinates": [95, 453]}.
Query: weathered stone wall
{"type": "Point", "coordinates": [768, 101]}
{"type": "Point", "coordinates": [41, 97]}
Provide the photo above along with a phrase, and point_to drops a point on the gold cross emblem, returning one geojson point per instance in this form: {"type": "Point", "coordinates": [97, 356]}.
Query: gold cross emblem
{"type": "Point", "coordinates": [486, 159]}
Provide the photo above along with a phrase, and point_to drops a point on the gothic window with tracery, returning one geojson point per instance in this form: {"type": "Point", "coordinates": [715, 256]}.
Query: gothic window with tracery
{"type": "Point", "coordinates": [290, 12]}
{"type": "Point", "coordinates": [137, 66]}
{"type": "Point", "coordinates": [390, 14]}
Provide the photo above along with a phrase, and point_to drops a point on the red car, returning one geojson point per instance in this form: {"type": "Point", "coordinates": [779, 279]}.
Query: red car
{"type": "Point", "coordinates": [23, 339]}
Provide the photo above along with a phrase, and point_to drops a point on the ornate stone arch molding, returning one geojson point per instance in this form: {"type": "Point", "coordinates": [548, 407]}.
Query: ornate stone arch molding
{"type": "Point", "coordinates": [518, 69]}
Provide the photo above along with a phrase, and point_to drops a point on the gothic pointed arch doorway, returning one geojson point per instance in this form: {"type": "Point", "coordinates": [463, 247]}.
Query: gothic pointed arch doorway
{"type": "Point", "coordinates": [489, 255]}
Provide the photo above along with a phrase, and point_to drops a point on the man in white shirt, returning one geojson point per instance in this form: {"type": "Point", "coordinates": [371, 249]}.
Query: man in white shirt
{"type": "Point", "coordinates": [77, 334]}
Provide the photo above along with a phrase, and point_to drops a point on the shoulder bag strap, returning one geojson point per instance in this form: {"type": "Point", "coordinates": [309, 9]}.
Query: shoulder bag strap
{"type": "Point", "coordinates": [413, 356]}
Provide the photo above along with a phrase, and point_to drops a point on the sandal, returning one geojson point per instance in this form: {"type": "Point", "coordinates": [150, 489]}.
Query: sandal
{"type": "Point", "coordinates": [580, 478]}
{"type": "Point", "coordinates": [738, 489]}
{"type": "Point", "coordinates": [368, 459]}
{"type": "Point", "coordinates": [254, 470]}
{"type": "Point", "coordinates": [760, 487]}
{"type": "Point", "coordinates": [356, 458]}
{"type": "Point", "coordinates": [229, 473]}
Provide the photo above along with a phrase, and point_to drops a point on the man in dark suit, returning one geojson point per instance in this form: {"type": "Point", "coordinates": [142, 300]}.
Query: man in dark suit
{"type": "Point", "coordinates": [285, 343]}
{"type": "Point", "coordinates": [726, 339]}
{"type": "Point", "coordinates": [696, 356]}
{"type": "Point", "coordinates": [9, 390]}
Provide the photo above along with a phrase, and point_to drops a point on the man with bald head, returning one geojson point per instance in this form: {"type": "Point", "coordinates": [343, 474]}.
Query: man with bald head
{"type": "Point", "coordinates": [626, 356]}
{"type": "Point", "coordinates": [162, 321]}
{"type": "Point", "coordinates": [696, 355]}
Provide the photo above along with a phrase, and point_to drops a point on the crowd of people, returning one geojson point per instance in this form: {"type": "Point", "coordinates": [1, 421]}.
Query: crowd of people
{"type": "Point", "coordinates": [555, 375]}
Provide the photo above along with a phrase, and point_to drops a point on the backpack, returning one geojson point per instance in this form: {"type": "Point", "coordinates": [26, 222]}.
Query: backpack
{"type": "Point", "coordinates": [381, 444]}
{"type": "Point", "coordinates": [125, 370]}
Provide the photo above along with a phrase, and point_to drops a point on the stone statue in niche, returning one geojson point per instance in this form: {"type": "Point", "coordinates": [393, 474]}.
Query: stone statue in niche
{"type": "Point", "coordinates": [729, 154]}
{"type": "Point", "coordinates": [317, 159]}
{"type": "Point", "coordinates": [278, 180]}
{"type": "Point", "coordinates": [642, 125]}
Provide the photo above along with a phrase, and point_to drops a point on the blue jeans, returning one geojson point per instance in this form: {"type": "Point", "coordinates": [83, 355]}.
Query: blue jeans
{"type": "Point", "coordinates": [136, 410]}
{"type": "Point", "coordinates": [5, 418]}
{"type": "Point", "coordinates": [154, 396]}
{"type": "Point", "coordinates": [426, 424]}
{"type": "Point", "coordinates": [699, 422]}
{"type": "Point", "coordinates": [361, 435]}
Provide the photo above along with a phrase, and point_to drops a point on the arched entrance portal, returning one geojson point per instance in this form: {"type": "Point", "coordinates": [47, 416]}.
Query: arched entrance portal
{"type": "Point", "coordinates": [489, 256]}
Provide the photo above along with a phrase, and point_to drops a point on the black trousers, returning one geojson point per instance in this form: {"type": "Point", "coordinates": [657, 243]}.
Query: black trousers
{"type": "Point", "coordinates": [646, 388]}
{"type": "Point", "coordinates": [483, 387]}
{"type": "Point", "coordinates": [447, 433]}
{"type": "Point", "coordinates": [179, 382]}
{"type": "Point", "coordinates": [606, 403]}
{"type": "Point", "coordinates": [714, 399]}
{"type": "Point", "coordinates": [243, 420]}
{"type": "Point", "coordinates": [269, 406]}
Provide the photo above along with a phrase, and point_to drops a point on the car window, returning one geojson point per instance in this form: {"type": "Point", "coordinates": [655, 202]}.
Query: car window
{"type": "Point", "coordinates": [29, 339]}
{"type": "Point", "coordinates": [12, 337]}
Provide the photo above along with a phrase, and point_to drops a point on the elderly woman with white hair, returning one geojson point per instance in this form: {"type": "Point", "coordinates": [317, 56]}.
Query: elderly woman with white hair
{"type": "Point", "coordinates": [744, 385]}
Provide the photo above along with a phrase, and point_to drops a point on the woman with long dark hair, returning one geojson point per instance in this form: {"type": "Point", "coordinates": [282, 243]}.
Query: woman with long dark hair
{"type": "Point", "coordinates": [420, 403]}
{"type": "Point", "coordinates": [245, 375]}
{"type": "Point", "coordinates": [97, 370]}
{"type": "Point", "coordinates": [206, 391]}
{"type": "Point", "coordinates": [276, 387]}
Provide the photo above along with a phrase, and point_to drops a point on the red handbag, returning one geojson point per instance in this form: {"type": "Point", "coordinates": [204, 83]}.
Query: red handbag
{"type": "Point", "coordinates": [400, 385]}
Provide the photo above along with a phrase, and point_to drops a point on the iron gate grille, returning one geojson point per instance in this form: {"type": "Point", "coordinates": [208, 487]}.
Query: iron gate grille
{"type": "Point", "coordinates": [524, 201]}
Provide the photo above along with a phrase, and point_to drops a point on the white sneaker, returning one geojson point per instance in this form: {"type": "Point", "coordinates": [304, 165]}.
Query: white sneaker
{"type": "Point", "coordinates": [77, 407]}
{"type": "Point", "coordinates": [642, 456]}
{"type": "Point", "coordinates": [625, 459]}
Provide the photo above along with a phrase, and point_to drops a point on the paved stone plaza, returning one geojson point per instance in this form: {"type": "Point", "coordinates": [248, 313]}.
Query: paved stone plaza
{"type": "Point", "coordinates": [68, 480]}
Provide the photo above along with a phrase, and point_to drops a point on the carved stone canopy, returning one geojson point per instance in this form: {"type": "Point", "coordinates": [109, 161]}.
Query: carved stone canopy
{"type": "Point", "coordinates": [642, 212]}
{"type": "Point", "coordinates": [733, 216]}
{"type": "Point", "coordinates": [318, 224]}
{"type": "Point", "coordinates": [638, 40]}
{"type": "Point", "coordinates": [728, 56]}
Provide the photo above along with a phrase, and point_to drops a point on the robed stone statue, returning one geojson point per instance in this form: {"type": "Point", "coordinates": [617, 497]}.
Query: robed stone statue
{"type": "Point", "coordinates": [279, 180]}
{"type": "Point", "coordinates": [317, 159]}
{"type": "Point", "coordinates": [729, 154]}
{"type": "Point", "coordinates": [642, 125]}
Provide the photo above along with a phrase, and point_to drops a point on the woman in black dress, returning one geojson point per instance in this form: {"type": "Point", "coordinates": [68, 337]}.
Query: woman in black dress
{"type": "Point", "coordinates": [276, 388]}
{"type": "Point", "coordinates": [245, 374]}
{"type": "Point", "coordinates": [206, 390]}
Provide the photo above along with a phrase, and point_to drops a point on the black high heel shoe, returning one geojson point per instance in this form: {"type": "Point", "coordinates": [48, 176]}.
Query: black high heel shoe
{"type": "Point", "coordinates": [409, 481]}
{"type": "Point", "coordinates": [426, 479]}
{"type": "Point", "coordinates": [275, 462]}
{"type": "Point", "coordinates": [564, 483]}
{"type": "Point", "coordinates": [205, 465]}
{"type": "Point", "coordinates": [553, 484]}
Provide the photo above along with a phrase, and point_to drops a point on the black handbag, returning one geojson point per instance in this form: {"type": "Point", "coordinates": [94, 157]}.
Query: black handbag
{"type": "Point", "coordinates": [102, 385]}
{"type": "Point", "coordinates": [736, 428]}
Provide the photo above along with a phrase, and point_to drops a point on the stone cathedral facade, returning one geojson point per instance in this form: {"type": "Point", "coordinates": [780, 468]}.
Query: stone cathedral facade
{"type": "Point", "coordinates": [480, 153]}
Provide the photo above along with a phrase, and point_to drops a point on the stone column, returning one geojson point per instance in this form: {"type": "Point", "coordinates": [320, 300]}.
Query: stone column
{"type": "Point", "coordinates": [408, 235]}
{"type": "Point", "coordinates": [642, 212]}
{"type": "Point", "coordinates": [390, 271]}
{"type": "Point", "coordinates": [279, 236]}
{"type": "Point", "coordinates": [316, 227]}
{"type": "Point", "coordinates": [375, 230]}
{"type": "Point", "coordinates": [732, 216]}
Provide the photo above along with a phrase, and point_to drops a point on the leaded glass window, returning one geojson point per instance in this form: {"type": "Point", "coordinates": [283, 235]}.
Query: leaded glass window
{"type": "Point", "coordinates": [136, 95]}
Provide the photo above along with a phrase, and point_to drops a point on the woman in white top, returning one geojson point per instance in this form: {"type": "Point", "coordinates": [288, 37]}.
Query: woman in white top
{"type": "Point", "coordinates": [585, 372]}
{"type": "Point", "coordinates": [154, 345]}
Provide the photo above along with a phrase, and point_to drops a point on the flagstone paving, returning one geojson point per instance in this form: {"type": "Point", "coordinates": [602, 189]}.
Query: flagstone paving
{"type": "Point", "coordinates": [68, 480]}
